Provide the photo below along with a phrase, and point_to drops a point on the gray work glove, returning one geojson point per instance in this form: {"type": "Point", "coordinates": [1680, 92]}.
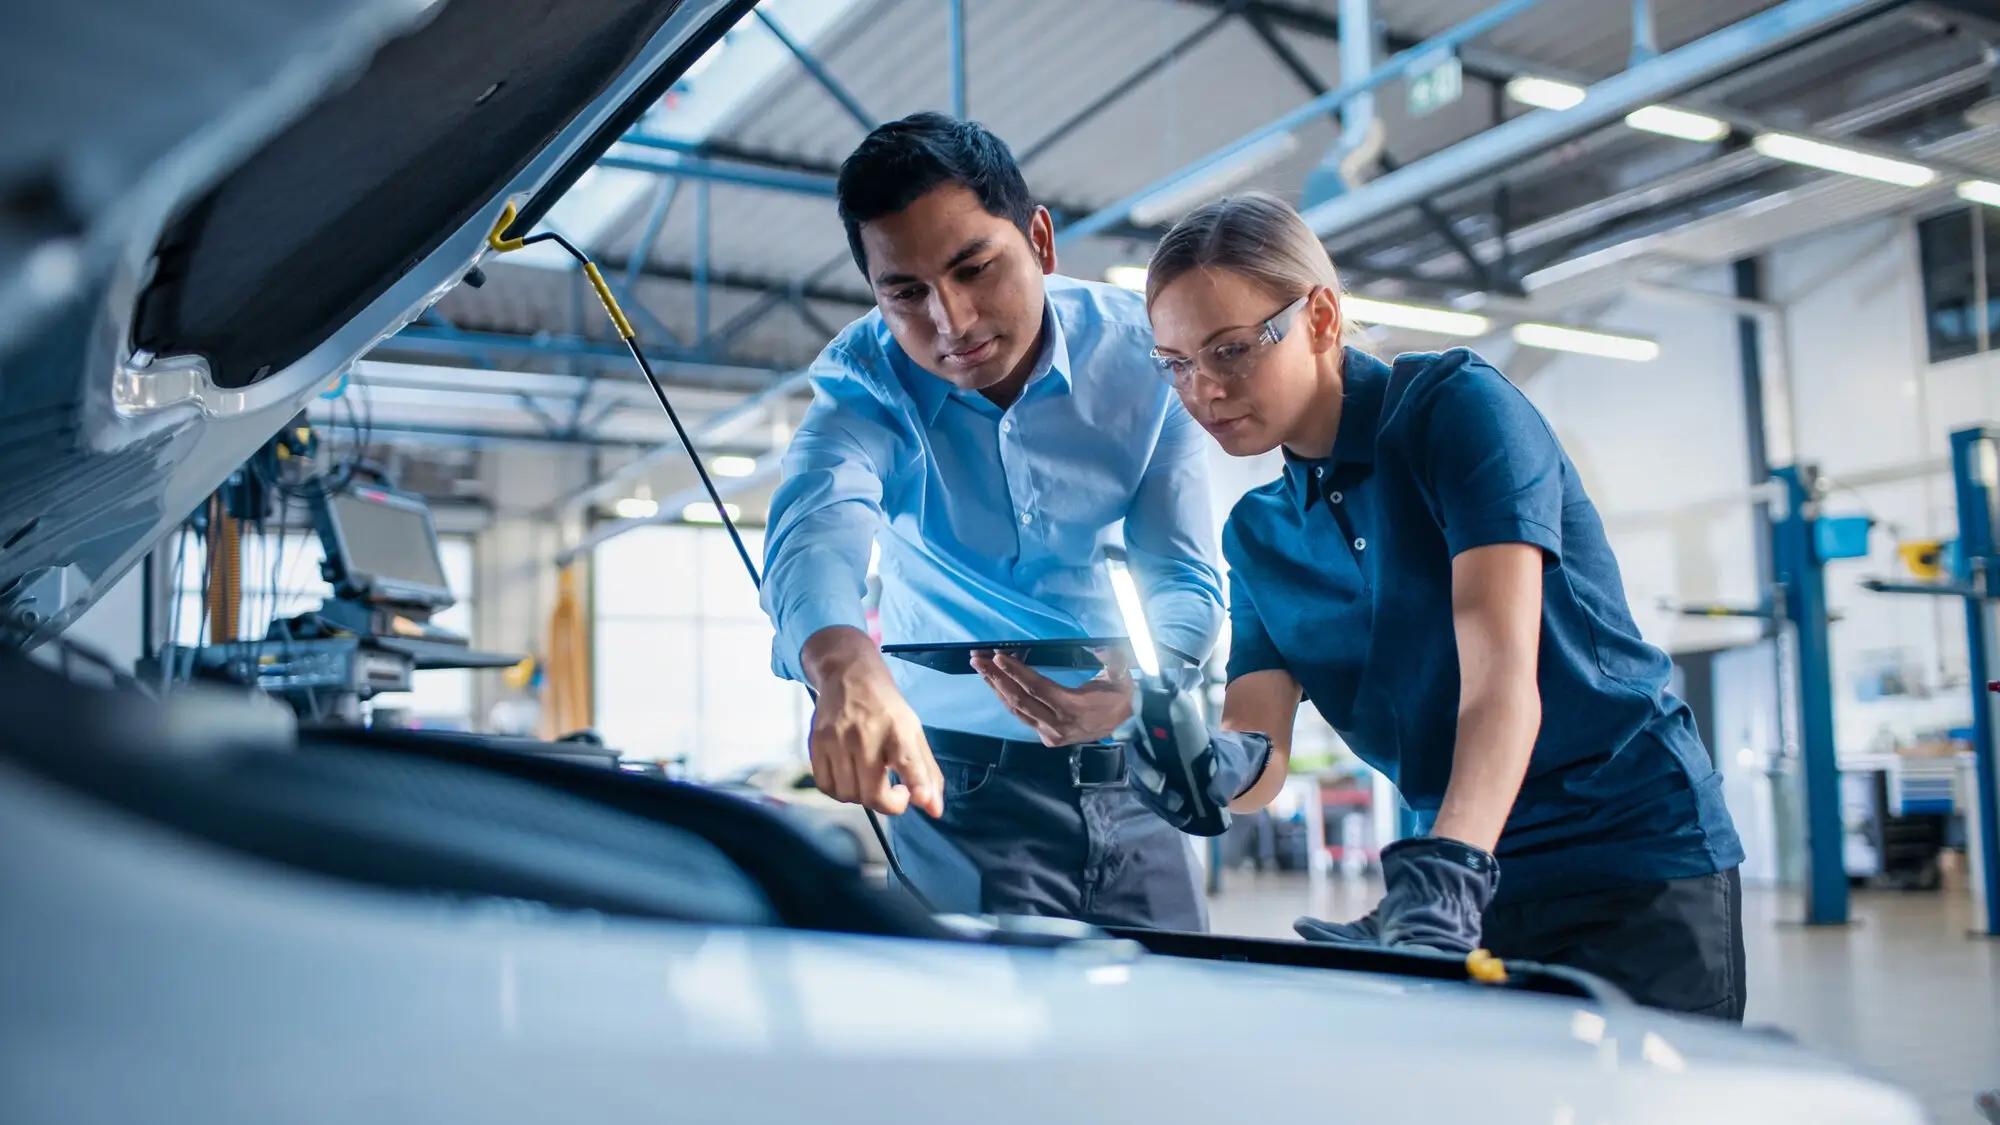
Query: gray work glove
{"type": "Point", "coordinates": [1172, 750]}
{"type": "Point", "coordinates": [1438, 890]}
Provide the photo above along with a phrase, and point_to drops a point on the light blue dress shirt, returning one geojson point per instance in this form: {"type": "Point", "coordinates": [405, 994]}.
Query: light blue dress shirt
{"type": "Point", "coordinates": [993, 523]}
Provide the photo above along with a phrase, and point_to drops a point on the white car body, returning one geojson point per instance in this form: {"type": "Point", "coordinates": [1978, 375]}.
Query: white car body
{"type": "Point", "coordinates": [154, 979]}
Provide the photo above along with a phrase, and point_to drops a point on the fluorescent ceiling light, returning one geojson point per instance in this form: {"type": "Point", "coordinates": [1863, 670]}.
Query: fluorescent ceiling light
{"type": "Point", "coordinates": [1670, 122]}
{"type": "Point", "coordinates": [701, 511]}
{"type": "Point", "coordinates": [1556, 337]}
{"type": "Point", "coordinates": [1127, 277]}
{"type": "Point", "coordinates": [1548, 93]}
{"type": "Point", "coordinates": [733, 465]}
{"type": "Point", "coordinates": [636, 508]}
{"type": "Point", "coordinates": [1134, 612]}
{"type": "Point", "coordinates": [1980, 191]}
{"type": "Point", "coordinates": [1176, 199]}
{"type": "Point", "coordinates": [1422, 318]}
{"type": "Point", "coordinates": [1544, 93]}
{"type": "Point", "coordinates": [1834, 158]}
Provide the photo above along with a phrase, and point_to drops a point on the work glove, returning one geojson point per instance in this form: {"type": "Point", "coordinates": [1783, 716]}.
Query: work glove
{"type": "Point", "coordinates": [1184, 771]}
{"type": "Point", "coordinates": [1438, 890]}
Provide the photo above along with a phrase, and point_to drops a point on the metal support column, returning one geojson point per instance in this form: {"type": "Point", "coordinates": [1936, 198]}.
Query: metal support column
{"type": "Point", "coordinates": [1801, 577]}
{"type": "Point", "coordinates": [649, 234]}
{"type": "Point", "coordinates": [1645, 33]}
{"type": "Point", "coordinates": [819, 73]}
{"type": "Point", "coordinates": [701, 264]}
{"type": "Point", "coordinates": [1137, 76]}
{"type": "Point", "coordinates": [1748, 275]}
{"type": "Point", "coordinates": [955, 14]}
{"type": "Point", "coordinates": [1975, 471]}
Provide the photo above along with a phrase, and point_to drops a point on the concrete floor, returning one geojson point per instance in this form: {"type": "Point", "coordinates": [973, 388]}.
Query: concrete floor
{"type": "Point", "coordinates": [1902, 992]}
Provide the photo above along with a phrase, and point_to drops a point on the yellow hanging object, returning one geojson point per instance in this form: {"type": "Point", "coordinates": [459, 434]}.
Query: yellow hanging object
{"type": "Point", "coordinates": [566, 689]}
{"type": "Point", "coordinates": [518, 677]}
{"type": "Point", "coordinates": [1485, 968]}
{"type": "Point", "coordinates": [1924, 558]}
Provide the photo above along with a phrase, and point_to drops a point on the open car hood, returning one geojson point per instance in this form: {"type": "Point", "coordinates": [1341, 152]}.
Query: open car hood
{"type": "Point", "coordinates": [197, 238]}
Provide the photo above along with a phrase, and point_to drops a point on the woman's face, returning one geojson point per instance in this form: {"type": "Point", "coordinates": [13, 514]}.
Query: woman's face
{"type": "Point", "coordinates": [1248, 393]}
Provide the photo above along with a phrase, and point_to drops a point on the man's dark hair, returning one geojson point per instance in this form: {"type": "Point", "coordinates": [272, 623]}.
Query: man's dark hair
{"type": "Point", "coordinates": [901, 161]}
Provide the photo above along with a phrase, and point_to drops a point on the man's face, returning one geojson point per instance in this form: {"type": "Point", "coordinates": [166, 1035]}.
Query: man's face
{"type": "Point", "coordinates": [961, 289]}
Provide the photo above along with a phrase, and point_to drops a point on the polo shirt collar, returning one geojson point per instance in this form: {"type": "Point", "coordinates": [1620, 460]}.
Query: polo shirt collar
{"type": "Point", "coordinates": [1364, 379]}
{"type": "Point", "coordinates": [930, 392]}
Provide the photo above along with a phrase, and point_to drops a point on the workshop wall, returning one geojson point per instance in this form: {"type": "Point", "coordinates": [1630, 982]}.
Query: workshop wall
{"type": "Point", "coordinates": [1872, 410]}
{"type": "Point", "coordinates": [1660, 447]}
{"type": "Point", "coordinates": [515, 567]}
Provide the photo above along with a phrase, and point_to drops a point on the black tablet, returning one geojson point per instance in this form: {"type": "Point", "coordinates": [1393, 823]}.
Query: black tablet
{"type": "Point", "coordinates": [956, 658]}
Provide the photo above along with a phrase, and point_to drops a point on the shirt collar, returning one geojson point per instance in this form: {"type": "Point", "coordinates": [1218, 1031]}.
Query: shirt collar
{"type": "Point", "coordinates": [931, 392]}
{"type": "Point", "coordinates": [1364, 379]}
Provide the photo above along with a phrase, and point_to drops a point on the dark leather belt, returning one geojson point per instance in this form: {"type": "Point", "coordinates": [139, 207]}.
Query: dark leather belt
{"type": "Point", "coordinates": [1093, 765]}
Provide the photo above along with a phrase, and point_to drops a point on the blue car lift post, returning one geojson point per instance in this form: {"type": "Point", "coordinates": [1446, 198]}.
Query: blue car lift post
{"type": "Point", "coordinates": [1802, 542]}
{"type": "Point", "coordinates": [1975, 476]}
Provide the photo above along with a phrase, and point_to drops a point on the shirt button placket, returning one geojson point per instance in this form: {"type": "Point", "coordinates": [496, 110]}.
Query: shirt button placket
{"type": "Point", "coordinates": [1019, 489]}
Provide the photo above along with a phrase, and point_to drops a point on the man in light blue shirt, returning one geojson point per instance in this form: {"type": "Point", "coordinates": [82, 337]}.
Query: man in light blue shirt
{"type": "Point", "coordinates": [993, 428]}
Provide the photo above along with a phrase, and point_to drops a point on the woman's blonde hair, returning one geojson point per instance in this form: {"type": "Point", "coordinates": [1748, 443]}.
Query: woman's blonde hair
{"type": "Point", "coordinates": [1255, 235]}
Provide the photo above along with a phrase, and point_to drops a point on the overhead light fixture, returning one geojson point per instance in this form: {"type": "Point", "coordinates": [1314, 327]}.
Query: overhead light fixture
{"type": "Point", "coordinates": [1544, 93]}
{"type": "Point", "coordinates": [1834, 158]}
{"type": "Point", "coordinates": [733, 465]}
{"type": "Point", "coordinates": [1127, 277]}
{"type": "Point", "coordinates": [636, 508]}
{"type": "Point", "coordinates": [1980, 191]}
{"type": "Point", "coordinates": [1420, 318]}
{"type": "Point", "coordinates": [1176, 199]}
{"type": "Point", "coordinates": [701, 511]}
{"type": "Point", "coordinates": [1609, 345]}
{"type": "Point", "coordinates": [1680, 123]}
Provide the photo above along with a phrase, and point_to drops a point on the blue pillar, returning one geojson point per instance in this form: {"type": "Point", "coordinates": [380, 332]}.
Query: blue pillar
{"type": "Point", "coordinates": [955, 13]}
{"type": "Point", "coordinates": [1975, 464]}
{"type": "Point", "coordinates": [1802, 575]}
{"type": "Point", "coordinates": [701, 264]}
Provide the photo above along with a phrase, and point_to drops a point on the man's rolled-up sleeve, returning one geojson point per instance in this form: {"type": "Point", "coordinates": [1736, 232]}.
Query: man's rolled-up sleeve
{"type": "Point", "coordinates": [826, 512]}
{"type": "Point", "coordinates": [1170, 537]}
{"type": "Point", "coordinates": [1490, 464]}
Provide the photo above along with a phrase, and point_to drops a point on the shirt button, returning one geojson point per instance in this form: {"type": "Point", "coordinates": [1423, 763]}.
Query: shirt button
{"type": "Point", "coordinates": [1007, 425]}
{"type": "Point", "coordinates": [1025, 518]}
{"type": "Point", "coordinates": [1334, 496]}
{"type": "Point", "coordinates": [1361, 544]}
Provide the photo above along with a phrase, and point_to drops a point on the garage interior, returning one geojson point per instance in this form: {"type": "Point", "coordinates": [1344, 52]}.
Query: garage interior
{"type": "Point", "coordinates": [1743, 256]}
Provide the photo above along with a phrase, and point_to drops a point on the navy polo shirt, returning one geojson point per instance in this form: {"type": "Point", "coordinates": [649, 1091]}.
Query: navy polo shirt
{"type": "Point", "coordinates": [1340, 573]}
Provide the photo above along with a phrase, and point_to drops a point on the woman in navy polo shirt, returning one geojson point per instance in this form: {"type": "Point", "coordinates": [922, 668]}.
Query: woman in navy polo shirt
{"type": "Point", "coordinates": [1430, 574]}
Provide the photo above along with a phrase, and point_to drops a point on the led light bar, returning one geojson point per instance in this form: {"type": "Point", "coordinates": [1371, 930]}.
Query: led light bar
{"type": "Point", "coordinates": [701, 511]}
{"type": "Point", "coordinates": [1556, 337]}
{"type": "Point", "coordinates": [1420, 318]}
{"type": "Point", "coordinates": [1678, 123]}
{"type": "Point", "coordinates": [1544, 93]}
{"type": "Point", "coordinates": [1847, 161]}
{"type": "Point", "coordinates": [1980, 191]}
{"type": "Point", "coordinates": [733, 465]}
{"type": "Point", "coordinates": [636, 508]}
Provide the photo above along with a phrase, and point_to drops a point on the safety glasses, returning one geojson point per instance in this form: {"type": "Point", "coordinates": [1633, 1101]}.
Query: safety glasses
{"type": "Point", "coordinates": [1234, 357]}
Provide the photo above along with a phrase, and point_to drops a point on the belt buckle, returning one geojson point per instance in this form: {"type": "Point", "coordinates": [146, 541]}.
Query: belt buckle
{"type": "Point", "coordinates": [1076, 770]}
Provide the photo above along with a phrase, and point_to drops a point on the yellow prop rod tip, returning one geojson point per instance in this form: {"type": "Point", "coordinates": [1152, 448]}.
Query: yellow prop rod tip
{"type": "Point", "coordinates": [1485, 968]}
{"type": "Point", "coordinates": [493, 239]}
